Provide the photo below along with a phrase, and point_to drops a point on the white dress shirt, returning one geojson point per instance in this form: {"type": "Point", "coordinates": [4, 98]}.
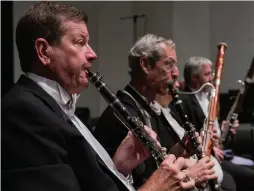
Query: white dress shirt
{"type": "Point", "coordinates": [68, 104]}
{"type": "Point", "coordinates": [203, 101]}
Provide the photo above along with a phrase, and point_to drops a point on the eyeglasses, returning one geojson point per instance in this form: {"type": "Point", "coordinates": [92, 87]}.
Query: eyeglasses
{"type": "Point", "coordinates": [169, 64]}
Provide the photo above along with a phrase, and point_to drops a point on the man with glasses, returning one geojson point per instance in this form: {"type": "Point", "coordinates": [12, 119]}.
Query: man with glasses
{"type": "Point", "coordinates": [152, 62]}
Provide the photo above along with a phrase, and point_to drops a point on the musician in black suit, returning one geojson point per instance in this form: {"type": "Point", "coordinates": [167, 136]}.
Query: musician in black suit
{"type": "Point", "coordinates": [152, 60]}
{"type": "Point", "coordinates": [44, 145]}
{"type": "Point", "coordinates": [197, 72]}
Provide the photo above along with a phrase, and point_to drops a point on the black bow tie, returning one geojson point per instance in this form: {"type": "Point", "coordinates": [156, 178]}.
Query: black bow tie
{"type": "Point", "coordinates": [71, 105]}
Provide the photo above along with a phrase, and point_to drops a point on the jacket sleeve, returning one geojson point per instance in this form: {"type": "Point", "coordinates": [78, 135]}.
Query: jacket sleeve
{"type": "Point", "coordinates": [190, 112]}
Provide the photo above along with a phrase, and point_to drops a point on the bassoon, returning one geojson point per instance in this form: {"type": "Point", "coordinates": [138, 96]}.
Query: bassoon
{"type": "Point", "coordinates": [214, 99]}
{"type": "Point", "coordinates": [213, 106]}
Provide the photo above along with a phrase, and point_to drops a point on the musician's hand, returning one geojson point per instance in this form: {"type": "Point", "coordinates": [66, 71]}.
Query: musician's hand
{"type": "Point", "coordinates": [225, 124]}
{"type": "Point", "coordinates": [215, 138]}
{"type": "Point", "coordinates": [131, 152]}
{"type": "Point", "coordinates": [169, 176]}
{"type": "Point", "coordinates": [185, 148]}
{"type": "Point", "coordinates": [235, 126]}
{"type": "Point", "coordinates": [219, 154]}
{"type": "Point", "coordinates": [190, 162]}
{"type": "Point", "coordinates": [201, 170]}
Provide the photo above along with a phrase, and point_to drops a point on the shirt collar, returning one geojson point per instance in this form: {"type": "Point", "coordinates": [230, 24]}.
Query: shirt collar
{"type": "Point", "coordinates": [54, 89]}
{"type": "Point", "coordinates": [157, 108]}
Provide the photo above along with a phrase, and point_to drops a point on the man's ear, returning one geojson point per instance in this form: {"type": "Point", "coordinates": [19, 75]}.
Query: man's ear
{"type": "Point", "coordinates": [43, 50]}
{"type": "Point", "coordinates": [144, 64]}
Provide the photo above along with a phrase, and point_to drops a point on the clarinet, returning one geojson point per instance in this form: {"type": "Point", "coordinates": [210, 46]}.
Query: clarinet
{"type": "Point", "coordinates": [231, 117]}
{"type": "Point", "coordinates": [132, 123]}
{"type": "Point", "coordinates": [190, 129]}
{"type": "Point", "coordinates": [236, 107]}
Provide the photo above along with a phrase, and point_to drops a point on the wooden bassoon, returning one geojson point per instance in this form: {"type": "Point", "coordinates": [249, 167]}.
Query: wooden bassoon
{"type": "Point", "coordinates": [214, 99]}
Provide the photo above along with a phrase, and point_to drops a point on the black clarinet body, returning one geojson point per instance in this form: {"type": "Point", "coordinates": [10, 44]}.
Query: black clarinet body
{"type": "Point", "coordinates": [189, 128]}
{"type": "Point", "coordinates": [231, 117]}
{"type": "Point", "coordinates": [131, 122]}
{"type": "Point", "coordinates": [191, 131]}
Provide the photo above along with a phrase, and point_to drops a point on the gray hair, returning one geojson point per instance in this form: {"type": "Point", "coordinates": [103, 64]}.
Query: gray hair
{"type": "Point", "coordinates": [192, 67]}
{"type": "Point", "coordinates": [148, 46]}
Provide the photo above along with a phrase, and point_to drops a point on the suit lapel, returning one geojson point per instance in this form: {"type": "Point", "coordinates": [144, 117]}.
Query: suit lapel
{"type": "Point", "coordinates": [197, 108]}
{"type": "Point", "coordinates": [174, 114]}
{"type": "Point", "coordinates": [42, 94]}
{"type": "Point", "coordinates": [140, 100]}
{"type": "Point", "coordinates": [52, 104]}
{"type": "Point", "coordinates": [175, 137]}
{"type": "Point", "coordinates": [133, 98]}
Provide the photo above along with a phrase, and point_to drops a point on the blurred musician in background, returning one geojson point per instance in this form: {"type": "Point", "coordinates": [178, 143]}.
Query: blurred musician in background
{"type": "Point", "coordinates": [197, 72]}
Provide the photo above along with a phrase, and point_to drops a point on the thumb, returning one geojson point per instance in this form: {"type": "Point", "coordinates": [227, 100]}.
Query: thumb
{"type": "Point", "coordinates": [128, 140]}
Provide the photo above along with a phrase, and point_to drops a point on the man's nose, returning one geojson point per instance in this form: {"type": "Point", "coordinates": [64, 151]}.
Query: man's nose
{"type": "Point", "coordinates": [90, 54]}
{"type": "Point", "coordinates": [175, 72]}
{"type": "Point", "coordinates": [211, 78]}
{"type": "Point", "coordinates": [213, 75]}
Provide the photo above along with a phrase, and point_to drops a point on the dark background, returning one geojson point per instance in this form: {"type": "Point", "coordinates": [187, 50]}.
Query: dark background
{"type": "Point", "coordinates": [7, 64]}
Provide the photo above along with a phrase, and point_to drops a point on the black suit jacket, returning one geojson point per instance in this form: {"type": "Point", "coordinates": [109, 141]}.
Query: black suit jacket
{"type": "Point", "coordinates": [193, 109]}
{"type": "Point", "coordinates": [110, 131]}
{"type": "Point", "coordinates": [41, 148]}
